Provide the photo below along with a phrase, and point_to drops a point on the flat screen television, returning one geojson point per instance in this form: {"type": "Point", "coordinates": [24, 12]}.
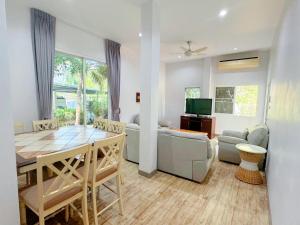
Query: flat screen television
{"type": "Point", "coordinates": [198, 106]}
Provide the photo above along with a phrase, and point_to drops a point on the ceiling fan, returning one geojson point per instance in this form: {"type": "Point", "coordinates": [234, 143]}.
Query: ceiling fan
{"type": "Point", "coordinates": [187, 51]}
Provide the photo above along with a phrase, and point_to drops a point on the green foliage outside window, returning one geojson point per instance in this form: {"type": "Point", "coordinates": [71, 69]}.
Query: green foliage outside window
{"type": "Point", "coordinates": [73, 75]}
{"type": "Point", "coordinates": [192, 92]}
{"type": "Point", "coordinates": [239, 100]}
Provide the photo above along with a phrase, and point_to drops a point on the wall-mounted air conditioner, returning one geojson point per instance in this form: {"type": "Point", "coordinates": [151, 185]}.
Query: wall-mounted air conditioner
{"type": "Point", "coordinates": [239, 64]}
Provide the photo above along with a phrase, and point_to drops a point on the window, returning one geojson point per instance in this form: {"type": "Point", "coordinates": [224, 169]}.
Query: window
{"type": "Point", "coordinates": [192, 92]}
{"type": "Point", "coordinates": [239, 100]}
{"type": "Point", "coordinates": [79, 90]}
{"type": "Point", "coordinates": [224, 100]}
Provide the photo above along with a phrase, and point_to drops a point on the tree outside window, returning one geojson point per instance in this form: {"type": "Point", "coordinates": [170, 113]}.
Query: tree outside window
{"type": "Point", "coordinates": [79, 89]}
{"type": "Point", "coordinates": [239, 100]}
{"type": "Point", "coordinates": [192, 92]}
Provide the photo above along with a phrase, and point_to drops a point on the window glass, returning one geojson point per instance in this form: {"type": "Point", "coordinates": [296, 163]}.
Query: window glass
{"type": "Point", "coordinates": [67, 89]}
{"type": "Point", "coordinates": [192, 92]}
{"type": "Point", "coordinates": [96, 91]}
{"type": "Point", "coordinates": [79, 90]}
{"type": "Point", "coordinates": [224, 100]}
{"type": "Point", "coordinates": [246, 100]}
{"type": "Point", "coordinates": [239, 100]}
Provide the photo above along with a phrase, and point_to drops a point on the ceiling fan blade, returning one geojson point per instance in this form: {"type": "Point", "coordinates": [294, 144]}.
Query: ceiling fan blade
{"type": "Point", "coordinates": [199, 50]}
{"type": "Point", "coordinates": [196, 54]}
{"type": "Point", "coordinates": [184, 48]}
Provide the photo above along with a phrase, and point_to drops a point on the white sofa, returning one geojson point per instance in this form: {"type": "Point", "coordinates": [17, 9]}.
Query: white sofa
{"type": "Point", "coordinates": [183, 154]}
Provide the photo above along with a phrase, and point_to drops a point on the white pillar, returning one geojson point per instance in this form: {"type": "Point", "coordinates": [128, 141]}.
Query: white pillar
{"type": "Point", "coordinates": [150, 62]}
{"type": "Point", "coordinates": [9, 206]}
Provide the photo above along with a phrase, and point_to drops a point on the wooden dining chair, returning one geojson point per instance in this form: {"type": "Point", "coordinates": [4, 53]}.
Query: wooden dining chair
{"type": "Point", "coordinates": [40, 125]}
{"type": "Point", "coordinates": [116, 127]}
{"type": "Point", "coordinates": [100, 123]}
{"type": "Point", "coordinates": [48, 196]}
{"type": "Point", "coordinates": [105, 169]}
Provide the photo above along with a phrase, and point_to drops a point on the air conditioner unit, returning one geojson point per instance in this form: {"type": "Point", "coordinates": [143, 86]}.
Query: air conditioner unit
{"type": "Point", "coordinates": [239, 64]}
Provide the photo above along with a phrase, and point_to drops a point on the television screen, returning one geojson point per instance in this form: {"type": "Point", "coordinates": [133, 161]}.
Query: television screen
{"type": "Point", "coordinates": [198, 106]}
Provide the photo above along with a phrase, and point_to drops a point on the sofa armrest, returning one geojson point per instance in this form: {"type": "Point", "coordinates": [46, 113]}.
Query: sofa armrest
{"type": "Point", "coordinates": [231, 140]}
{"type": "Point", "coordinates": [237, 134]}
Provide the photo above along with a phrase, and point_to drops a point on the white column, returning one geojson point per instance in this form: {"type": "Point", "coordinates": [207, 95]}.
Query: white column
{"type": "Point", "coordinates": [9, 206]}
{"type": "Point", "coordinates": [150, 62]}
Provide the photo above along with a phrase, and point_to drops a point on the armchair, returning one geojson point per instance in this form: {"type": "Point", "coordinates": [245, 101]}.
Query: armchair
{"type": "Point", "coordinates": [259, 135]}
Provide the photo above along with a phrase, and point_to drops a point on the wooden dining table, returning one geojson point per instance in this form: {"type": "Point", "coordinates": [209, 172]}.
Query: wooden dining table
{"type": "Point", "coordinates": [31, 145]}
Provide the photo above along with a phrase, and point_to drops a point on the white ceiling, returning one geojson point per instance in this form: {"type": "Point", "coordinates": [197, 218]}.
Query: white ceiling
{"type": "Point", "coordinates": [249, 24]}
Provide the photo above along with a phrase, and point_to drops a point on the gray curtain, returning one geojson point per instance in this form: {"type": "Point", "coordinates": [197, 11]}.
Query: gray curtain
{"type": "Point", "coordinates": [112, 54]}
{"type": "Point", "coordinates": [43, 43]}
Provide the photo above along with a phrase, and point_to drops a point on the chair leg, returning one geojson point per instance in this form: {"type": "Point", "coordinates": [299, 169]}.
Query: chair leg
{"type": "Point", "coordinates": [27, 178]}
{"type": "Point", "coordinates": [23, 212]}
{"type": "Point", "coordinates": [122, 178]}
{"type": "Point", "coordinates": [94, 197]}
{"type": "Point", "coordinates": [67, 213]}
{"type": "Point", "coordinates": [84, 205]}
{"type": "Point", "coordinates": [119, 194]}
{"type": "Point", "coordinates": [41, 220]}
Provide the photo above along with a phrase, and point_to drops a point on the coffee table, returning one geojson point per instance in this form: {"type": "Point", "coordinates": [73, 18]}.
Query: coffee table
{"type": "Point", "coordinates": [248, 171]}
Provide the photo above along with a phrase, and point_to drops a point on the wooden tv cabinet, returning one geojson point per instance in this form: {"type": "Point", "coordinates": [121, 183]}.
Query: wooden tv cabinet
{"type": "Point", "coordinates": [202, 124]}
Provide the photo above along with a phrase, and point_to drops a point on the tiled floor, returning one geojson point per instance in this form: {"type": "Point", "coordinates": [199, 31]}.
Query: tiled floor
{"type": "Point", "coordinates": [166, 199]}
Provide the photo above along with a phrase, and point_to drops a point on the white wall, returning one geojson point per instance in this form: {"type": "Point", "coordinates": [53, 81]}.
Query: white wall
{"type": "Point", "coordinates": [257, 76]}
{"type": "Point", "coordinates": [9, 206]}
{"type": "Point", "coordinates": [178, 77]}
{"type": "Point", "coordinates": [69, 39]}
{"type": "Point", "coordinates": [284, 121]}
{"type": "Point", "coordinates": [22, 69]}
{"type": "Point", "coordinates": [162, 92]}
{"type": "Point", "coordinates": [130, 84]}
{"type": "Point", "coordinates": [204, 74]}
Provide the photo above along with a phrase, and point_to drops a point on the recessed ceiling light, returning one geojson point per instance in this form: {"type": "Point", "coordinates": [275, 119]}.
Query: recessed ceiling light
{"type": "Point", "coordinates": [140, 34]}
{"type": "Point", "coordinates": [179, 57]}
{"type": "Point", "coordinates": [235, 49]}
{"type": "Point", "coordinates": [223, 13]}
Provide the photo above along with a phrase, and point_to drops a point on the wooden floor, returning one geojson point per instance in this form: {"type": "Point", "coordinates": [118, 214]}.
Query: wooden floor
{"type": "Point", "coordinates": [166, 199]}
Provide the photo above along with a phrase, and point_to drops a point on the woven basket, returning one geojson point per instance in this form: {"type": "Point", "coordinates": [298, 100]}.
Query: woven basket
{"type": "Point", "coordinates": [248, 176]}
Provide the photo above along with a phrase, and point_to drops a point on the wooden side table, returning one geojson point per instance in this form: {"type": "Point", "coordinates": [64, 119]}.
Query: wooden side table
{"type": "Point", "coordinates": [248, 171]}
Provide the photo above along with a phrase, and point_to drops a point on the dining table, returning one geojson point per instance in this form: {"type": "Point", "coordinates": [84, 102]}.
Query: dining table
{"type": "Point", "coordinates": [31, 145]}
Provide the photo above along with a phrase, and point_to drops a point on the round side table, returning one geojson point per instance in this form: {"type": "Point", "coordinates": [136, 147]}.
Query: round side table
{"type": "Point", "coordinates": [248, 171]}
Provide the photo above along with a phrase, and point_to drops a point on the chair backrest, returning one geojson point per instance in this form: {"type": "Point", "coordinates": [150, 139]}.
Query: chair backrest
{"type": "Point", "coordinates": [100, 123]}
{"type": "Point", "coordinates": [64, 165]}
{"type": "Point", "coordinates": [259, 135]}
{"type": "Point", "coordinates": [116, 127]}
{"type": "Point", "coordinates": [112, 150]}
{"type": "Point", "coordinates": [40, 125]}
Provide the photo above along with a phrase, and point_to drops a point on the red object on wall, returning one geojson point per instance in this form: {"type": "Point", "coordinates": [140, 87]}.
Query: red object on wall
{"type": "Point", "coordinates": [138, 97]}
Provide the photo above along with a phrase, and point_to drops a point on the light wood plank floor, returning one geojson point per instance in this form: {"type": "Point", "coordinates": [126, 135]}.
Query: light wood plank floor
{"type": "Point", "coordinates": [166, 199]}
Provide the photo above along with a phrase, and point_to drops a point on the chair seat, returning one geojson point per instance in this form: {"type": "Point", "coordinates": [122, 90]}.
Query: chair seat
{"type": "Point", "coordinates": [99, 176]}
{"type": "Point", "coordinates": [30, 195]}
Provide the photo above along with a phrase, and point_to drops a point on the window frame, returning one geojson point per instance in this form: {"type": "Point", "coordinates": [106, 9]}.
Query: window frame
{"type": "Point", "coordinates": [234, 100]}
{"type": "Point", "coordinates": [84, 74]}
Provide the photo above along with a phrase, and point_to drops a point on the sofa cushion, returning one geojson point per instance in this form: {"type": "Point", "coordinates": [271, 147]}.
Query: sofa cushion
{"type": "Point", "coordinates": [136, 119]}
{"type": "Point", "coordinates": [231, 140]}
{"type": "Point", "coordinates": [198, 136]}
{"type": "Point", "coordinates": [237, 134]}
{"type": "Point", "coordinates": [164, 123]}
{"type": "Point", "coordinates": [257, 135]}
{"type": "Point", "coordinates": [211, 145]}
{"type": "Point", "coordinates": [133, 126]}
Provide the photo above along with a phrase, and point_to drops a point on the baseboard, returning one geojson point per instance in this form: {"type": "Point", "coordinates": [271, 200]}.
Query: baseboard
{"type": "Point", "coordinates": [148, 175]}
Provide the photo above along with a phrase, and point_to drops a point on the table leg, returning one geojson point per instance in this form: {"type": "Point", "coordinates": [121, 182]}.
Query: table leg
{"type": "Point", "coordinates": [248, 170]}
